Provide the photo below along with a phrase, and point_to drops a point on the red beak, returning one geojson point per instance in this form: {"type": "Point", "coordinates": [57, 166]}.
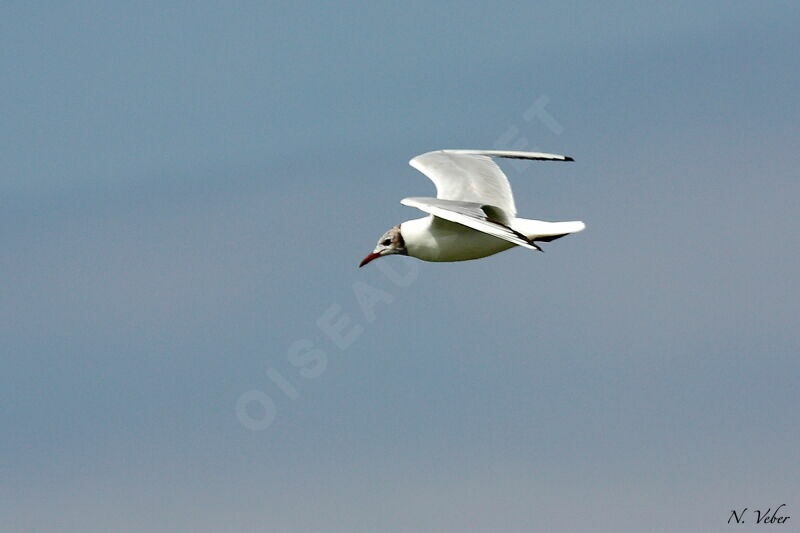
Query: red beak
{"type": "Point", "coordinates": [369, 258]}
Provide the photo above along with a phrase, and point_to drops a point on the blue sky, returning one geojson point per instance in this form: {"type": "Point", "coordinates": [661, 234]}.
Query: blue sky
{"type": "Point", "coordinates": [187, 189]}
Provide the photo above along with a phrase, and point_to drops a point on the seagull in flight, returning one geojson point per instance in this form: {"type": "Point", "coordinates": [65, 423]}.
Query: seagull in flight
{"type": "Point", "coordinates": [473, 214]}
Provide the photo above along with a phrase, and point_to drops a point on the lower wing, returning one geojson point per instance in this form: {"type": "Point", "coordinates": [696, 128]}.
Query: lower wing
{"type": "Point", "coordinates": [484, 218]}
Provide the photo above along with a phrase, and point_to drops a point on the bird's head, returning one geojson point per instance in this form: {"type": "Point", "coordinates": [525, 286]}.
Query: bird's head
{"type": "Point", "coordinates": [391, 243]}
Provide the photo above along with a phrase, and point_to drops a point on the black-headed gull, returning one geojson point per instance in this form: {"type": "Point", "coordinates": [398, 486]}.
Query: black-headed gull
{"type": "Point", "coordinates": [473, 214]}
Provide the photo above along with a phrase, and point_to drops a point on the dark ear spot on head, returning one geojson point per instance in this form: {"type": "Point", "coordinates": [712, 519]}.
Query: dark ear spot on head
{"type": "Point", "coordinates": [397, 237]}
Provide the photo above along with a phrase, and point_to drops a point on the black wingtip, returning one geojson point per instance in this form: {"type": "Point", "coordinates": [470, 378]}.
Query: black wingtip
{"type": "Point", "coordinates": [568, 158]}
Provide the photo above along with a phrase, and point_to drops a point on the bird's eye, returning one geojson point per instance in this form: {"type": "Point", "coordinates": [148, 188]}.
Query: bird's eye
{"type": "Point", "coordinates": [386, 242]}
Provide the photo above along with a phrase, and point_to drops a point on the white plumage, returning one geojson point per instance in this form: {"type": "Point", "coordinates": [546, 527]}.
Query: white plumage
{"type": "Point", "coordinates": [473, 214]}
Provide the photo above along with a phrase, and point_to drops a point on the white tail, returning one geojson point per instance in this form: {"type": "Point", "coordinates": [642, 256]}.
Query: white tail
{"type": "Point", "coordinates": [539, 230]}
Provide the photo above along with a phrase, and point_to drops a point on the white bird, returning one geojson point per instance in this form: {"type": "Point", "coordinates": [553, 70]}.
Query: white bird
{"type": "Point", "coordinates": [473, 214]}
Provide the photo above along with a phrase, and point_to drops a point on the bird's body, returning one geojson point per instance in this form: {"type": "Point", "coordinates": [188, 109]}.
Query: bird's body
{"type": "Point", "coordinates": [473, 215]}
{"type": "Point", "coordinates": [433, 239]}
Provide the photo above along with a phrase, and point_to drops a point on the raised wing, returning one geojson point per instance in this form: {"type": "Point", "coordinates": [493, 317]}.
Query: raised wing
{"type": "Point", "coordinates": [472, 175]}
{"type": "Point", "coordinates": [484, 218]}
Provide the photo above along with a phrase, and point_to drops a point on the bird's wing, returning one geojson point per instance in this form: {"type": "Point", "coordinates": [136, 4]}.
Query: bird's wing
{"type": "Point", "coordinates": [472, 175]}
{"type": "Point", "coordinates": [484, 218]}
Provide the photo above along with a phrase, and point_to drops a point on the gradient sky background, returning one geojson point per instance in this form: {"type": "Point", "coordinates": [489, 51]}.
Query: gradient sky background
{"type": "Point", "coordinates": [187, 187]}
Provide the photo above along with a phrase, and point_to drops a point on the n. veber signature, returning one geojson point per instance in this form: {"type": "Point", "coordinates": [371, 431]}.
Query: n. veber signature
{"type": "Point", "coordinates": [769, 516]}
